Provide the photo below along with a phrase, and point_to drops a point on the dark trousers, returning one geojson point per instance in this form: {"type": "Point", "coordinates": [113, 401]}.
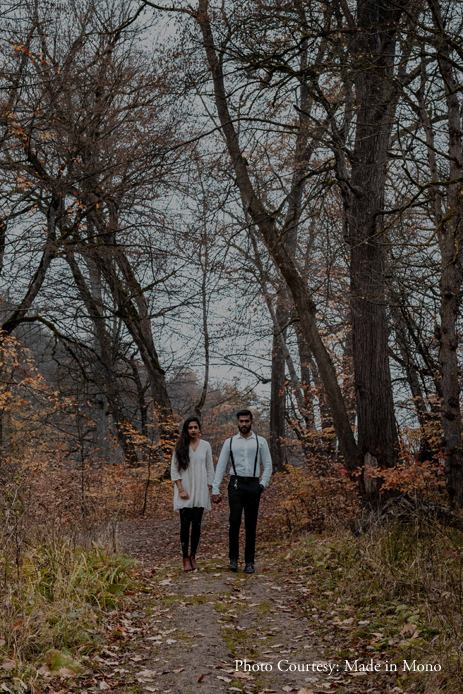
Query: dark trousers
{"type": "Point", "coordinates": [243, 493]}
{"type": "Point", "coordinates": [190, 516]}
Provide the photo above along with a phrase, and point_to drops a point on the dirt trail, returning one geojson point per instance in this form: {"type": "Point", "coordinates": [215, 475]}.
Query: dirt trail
{"type": "Point", "coordinates": [186, 631]}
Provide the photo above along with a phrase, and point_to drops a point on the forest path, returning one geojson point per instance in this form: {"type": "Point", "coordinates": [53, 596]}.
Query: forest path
{"type": "Point", "coordinates": [196, 625]}
{"type": "Point", "coordinates": [184, 632]}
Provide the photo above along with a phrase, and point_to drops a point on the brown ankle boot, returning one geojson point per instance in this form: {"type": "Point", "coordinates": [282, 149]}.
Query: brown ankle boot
{"type": "Point", "coordinates": [187, 565]}
{"type": "Point", "coordinates": [193, 563]}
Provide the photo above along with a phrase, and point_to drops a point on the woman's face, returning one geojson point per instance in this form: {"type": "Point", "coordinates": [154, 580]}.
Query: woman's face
{"type": "Point", "coordinates": [193, 430]}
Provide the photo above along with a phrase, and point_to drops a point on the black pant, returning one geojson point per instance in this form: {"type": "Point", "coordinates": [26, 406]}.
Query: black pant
{"type": "Point", "coordinates": [243, 493]}
{"type": "Point", "coordinates": [190, 516]}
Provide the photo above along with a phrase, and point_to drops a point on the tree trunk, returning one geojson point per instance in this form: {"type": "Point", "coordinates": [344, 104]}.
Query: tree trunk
{"type": "Point", "coordinates": [375, 50]}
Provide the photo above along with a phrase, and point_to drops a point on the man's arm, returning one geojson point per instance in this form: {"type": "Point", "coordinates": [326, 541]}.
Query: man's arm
{"type": "Point", "coordinates": [266, 459]}
{"type": "Point", "coordinates": [221, 467]}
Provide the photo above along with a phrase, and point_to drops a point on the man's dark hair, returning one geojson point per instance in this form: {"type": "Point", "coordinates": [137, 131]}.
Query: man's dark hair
{"type": "Point", "coordinates": [244, 413]}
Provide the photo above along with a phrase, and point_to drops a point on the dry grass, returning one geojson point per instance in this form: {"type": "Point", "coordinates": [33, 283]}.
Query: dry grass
{"type": "Point", "coordinates": [399, 574]}
{"type": "Point", "coordinates": [53, 591]}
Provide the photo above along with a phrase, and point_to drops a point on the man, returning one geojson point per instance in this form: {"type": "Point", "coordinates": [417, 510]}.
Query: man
{"type": "Point", "coordinates": [246, 452]}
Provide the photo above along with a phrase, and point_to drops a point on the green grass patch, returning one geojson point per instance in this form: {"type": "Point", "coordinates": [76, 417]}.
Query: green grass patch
{"type": "Point", "coordinates": [55, 601]}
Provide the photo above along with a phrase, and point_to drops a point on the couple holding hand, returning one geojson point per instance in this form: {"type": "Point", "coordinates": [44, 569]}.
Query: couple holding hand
{"type": "Point", "coordinates": [192, 471]}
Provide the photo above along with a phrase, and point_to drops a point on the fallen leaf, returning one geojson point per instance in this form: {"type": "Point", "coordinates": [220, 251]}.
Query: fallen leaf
{"type": "Point", "coordinates": [148, 688]}
{"type": "Point", "coordinates": [145, 675]}
{"type": "Point", "coordinates": [409, 628]}
{"type": "Point", "coordinates": [225, 679]}
{"type": "Point", "coordinates": [171, 641]}
{"type": "Point", "coordinates": [287, 688]}
{"type": "Point", "coordinates": [8, 664]}
{"type": "Point", "coordinates": [179, 670]}
{"type": "Point", "coordinates": [58, 661]}
{"type": "Point", "coordinates": [201, 678]}
{"type": "Point", "coordinates": [244, 675]}
{"type": "Point", "coordinates": [66, 672]}
{"type": "Point", "coordinates": [4, 687]}
{"type": "Point", "coordinates": [104, 685]}
{"type": "Point", "coordinates": [306, 690]}
{"type": "Point", "coordinates": [2, 643]}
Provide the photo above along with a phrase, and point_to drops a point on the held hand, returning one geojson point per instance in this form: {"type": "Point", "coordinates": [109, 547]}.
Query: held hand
{"type": "Point", "coordinates": [216, 498]}
{"type": "Point", "coordinates": [183, 494]}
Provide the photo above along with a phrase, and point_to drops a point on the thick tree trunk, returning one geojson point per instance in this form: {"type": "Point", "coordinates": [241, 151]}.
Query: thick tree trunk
{"type": "Point", "coordinates": [375, 50]}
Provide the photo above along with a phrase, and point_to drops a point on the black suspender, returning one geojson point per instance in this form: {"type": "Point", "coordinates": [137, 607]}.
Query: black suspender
{"type": "Point", "coordinates": [233, 459]}
{"type": "Point", "coordinates": [257, 453]}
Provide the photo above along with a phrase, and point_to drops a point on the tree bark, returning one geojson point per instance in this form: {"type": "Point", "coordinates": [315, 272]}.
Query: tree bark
{"type": "Point", "coordinates": [374, 51]}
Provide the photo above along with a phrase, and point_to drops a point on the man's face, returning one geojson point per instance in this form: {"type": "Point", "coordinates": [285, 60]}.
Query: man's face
{"type": "Point", "coordinates": [244, 424]}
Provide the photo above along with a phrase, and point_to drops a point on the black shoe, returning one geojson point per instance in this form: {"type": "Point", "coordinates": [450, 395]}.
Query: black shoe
{"type": "Point", "coordinates": [249, 568]}
{"type": "Point", "coordinates": [233, 565]}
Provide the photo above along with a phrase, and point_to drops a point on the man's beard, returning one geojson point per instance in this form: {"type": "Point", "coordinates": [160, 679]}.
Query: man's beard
{"type": "Point", "coordinates": [244, 429]}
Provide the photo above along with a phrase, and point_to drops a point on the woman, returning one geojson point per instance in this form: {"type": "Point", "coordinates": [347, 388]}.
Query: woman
{"type": "Point", "coordinates": [192, 471]}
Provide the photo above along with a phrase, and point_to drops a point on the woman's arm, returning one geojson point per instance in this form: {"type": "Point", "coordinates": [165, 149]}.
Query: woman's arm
{"type": "Point", "coordinates": [176, 477]}
{"type": "Point", "coordinates": [181, 491]}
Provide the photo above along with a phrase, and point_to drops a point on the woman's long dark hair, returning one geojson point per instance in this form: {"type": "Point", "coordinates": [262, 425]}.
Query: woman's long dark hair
{"type": "Point", "coordinates": [182, 447]}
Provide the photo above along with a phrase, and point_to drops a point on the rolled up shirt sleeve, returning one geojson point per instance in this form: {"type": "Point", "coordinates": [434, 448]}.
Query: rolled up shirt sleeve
{"type": "Point", "coordinates": [221, 467]}
{"type": "Point", "coordinates": [266, 460]}
{"type": "Point", "coordinates": [174, 471]}
{"type": "Point", "coordinates": [209, 465]}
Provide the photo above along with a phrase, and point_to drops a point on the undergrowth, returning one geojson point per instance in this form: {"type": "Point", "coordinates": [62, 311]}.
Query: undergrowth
{"type": "Point", "coordinates": [398, 594]}
{"type": "Point", "coordinates": [55, 599]}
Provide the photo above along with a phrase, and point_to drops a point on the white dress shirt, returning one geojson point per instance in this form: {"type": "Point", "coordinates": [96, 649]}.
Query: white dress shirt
{"type": "Point", "coordinates": [244, 455]}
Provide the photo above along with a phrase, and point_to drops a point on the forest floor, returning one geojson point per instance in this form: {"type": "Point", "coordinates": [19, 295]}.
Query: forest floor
{"type": "Point", "coordinates": [188, 632]}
